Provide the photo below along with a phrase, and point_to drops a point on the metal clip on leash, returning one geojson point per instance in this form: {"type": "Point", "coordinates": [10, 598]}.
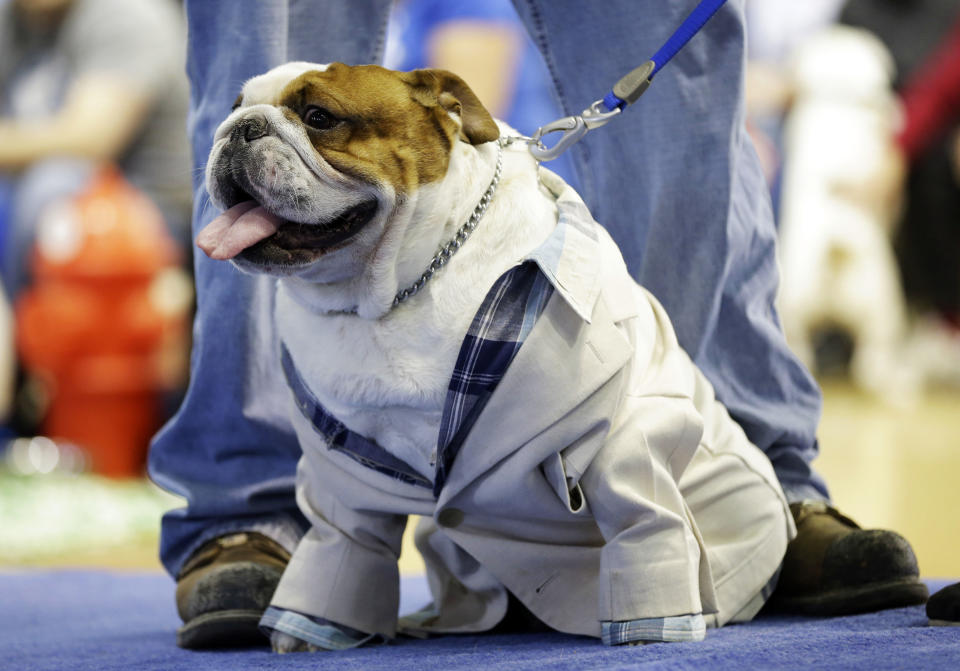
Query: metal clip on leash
{"type": "Point", "coordinates": [625, 92]}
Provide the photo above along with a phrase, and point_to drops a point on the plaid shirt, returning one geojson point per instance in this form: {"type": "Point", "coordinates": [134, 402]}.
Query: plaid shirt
{"type": "Point", "coordinates": [499, 328]}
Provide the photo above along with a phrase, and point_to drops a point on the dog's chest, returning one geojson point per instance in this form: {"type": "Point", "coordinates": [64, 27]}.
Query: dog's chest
{"type": "Point", "coordinates": [385, 379]}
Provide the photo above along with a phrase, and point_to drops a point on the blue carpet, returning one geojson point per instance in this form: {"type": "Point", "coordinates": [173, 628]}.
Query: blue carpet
{"type": "Point", "coordinates": [80, 620]}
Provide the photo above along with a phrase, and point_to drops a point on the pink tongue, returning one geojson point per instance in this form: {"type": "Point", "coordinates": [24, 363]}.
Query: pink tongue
{"type": "Point", "coordinates": [241, 226]}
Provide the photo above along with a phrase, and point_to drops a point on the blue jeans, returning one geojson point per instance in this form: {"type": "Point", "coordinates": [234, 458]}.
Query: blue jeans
{"type": "Point", "coordinates": [675, 180]}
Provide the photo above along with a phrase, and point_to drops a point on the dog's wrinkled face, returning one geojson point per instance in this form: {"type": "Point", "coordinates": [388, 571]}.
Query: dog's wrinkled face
{"type": "Point", "coordinates": [314, 162]}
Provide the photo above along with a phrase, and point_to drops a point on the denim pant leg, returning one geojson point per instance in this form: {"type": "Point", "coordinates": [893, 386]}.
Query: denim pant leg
{"type": "Point", "coordinates": [677, 183]}
{"type": "Point", "coordinates": [229, 450]}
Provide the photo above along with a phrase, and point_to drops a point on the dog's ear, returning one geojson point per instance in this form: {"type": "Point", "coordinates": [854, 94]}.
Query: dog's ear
{"type": "Point", "coordinates": [453, 95]}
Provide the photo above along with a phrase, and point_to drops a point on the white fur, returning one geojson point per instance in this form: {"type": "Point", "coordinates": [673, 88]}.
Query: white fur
{"type": "Point", "coordinates": [264, 88]}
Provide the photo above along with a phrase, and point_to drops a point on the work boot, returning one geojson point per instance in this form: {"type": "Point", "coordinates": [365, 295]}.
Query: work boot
{"type": "Point", "coordinates": [943, 608]}
{"type": "Point", "coordinates": [224, 587]}
{"type": "Point", "coordinates": [833, 567]}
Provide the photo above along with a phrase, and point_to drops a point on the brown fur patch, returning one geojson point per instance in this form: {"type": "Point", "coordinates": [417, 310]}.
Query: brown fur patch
{"type": "Point", "coordinates": [453, 94]}
{"type": "Point", "coordinates": [394, 127]}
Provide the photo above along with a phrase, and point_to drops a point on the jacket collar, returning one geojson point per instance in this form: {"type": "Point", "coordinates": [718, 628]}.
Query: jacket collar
{"type": "Point", "coordinates": [575, 348]}
{"type": "Point", "coordinates": [562, 363]}
{"type": "Point", "coordinates": [570, 257]}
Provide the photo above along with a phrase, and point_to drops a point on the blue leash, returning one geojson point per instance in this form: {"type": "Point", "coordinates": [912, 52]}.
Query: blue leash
{"type": "Point", "coordinates": [625, 92]}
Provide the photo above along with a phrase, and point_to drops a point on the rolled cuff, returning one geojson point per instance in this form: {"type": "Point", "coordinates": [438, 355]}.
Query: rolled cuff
{"type": "Point", "coordinates": [331, 576]}
{"type": "Point", "coordinates": [321, 633]}
{"type": "Point", "coordinates": [677, 629]}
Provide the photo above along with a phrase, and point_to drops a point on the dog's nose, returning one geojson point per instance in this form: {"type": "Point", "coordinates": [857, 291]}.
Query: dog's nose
{"type": "Point", "coordinates": [249, 128]}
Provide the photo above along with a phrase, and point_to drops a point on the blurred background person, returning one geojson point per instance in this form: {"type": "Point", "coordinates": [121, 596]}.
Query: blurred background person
{"type": "Point", "coordinates": [93, 99]}
{"type": "Point", "coordinates": [930, 141]}
{"type": "Point", "coordinates": [84, 82]}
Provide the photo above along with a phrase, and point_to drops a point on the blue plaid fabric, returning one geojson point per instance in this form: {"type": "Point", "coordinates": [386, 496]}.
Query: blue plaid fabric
{"type": "Point", "coordinates": [674, 629]}
{"type": "Point", "coordinates": [502, 323]}
{"type": "Point", "coordinates": [315, 630]}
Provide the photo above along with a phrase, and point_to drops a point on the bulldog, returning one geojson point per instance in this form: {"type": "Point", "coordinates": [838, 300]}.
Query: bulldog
{"type": "Point", "coordinates": [462, 342]}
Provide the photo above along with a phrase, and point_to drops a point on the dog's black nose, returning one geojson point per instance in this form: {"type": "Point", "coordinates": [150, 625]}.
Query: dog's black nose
{"type": "Point", "coordinates": [249, 128]}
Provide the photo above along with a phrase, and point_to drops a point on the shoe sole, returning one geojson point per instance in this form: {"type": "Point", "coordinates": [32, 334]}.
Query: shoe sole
{"type": "Point", "coordinates": [223, 629]}
{"type": "Point", "coordinates": [853, 600]}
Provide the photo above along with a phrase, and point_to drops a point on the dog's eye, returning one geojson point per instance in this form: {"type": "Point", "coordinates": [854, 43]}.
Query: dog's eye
{"type": "Point", "coordinates": [237, 102]}
{"type": "Point", "coordinates": [319, 118]}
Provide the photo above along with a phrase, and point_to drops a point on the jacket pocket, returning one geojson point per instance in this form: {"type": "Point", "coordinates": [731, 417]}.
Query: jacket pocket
{"type": "Point", "coordinates": [566, 487]}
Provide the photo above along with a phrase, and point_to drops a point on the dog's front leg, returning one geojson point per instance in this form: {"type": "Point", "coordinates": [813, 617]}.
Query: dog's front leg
{"type": "Point", "coordinates": [341, 589]}
{"type": "Point", "coordinates": [283, 643]}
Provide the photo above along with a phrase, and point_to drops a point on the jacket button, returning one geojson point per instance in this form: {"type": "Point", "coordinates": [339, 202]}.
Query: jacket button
{"type": "Point", "coordinates": [450, 517]}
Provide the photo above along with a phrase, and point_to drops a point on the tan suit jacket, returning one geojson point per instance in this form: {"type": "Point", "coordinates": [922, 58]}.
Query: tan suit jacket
{"type": "Point", "coordinates": [601, 482]}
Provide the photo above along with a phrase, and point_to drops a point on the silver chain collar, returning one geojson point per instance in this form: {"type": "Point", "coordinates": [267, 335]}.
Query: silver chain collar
{"type": "Point", "coordinates": [443, 255]}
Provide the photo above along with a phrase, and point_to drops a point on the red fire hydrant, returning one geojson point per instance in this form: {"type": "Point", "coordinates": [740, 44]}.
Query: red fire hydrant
{"type": "Point", "coordinates": [101, 319]}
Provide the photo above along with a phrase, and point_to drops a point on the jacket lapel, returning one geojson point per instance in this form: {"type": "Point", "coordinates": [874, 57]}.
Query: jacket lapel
{"type": "Point", "coordinates": [561, 363]}
{"type": "Point", "coordinates": [574, 348]}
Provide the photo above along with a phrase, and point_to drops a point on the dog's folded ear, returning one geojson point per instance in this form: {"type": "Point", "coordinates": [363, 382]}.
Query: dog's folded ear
{"type": "Point", "coordinates": [452, 94]}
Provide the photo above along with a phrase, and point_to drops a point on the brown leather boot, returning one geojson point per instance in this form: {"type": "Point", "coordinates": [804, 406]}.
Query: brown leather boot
{"type": "Point", "coordinates": [833, 567]}
{"type": "Point", "coordinates": [224, 587]}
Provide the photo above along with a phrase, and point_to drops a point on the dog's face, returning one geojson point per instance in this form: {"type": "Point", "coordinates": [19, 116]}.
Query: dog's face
{"type": "Point", "coordinates": [315, 162]}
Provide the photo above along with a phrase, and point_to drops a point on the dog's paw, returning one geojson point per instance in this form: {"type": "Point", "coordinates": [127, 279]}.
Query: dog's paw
{"type": "Point", "coordinates": [284, 643]}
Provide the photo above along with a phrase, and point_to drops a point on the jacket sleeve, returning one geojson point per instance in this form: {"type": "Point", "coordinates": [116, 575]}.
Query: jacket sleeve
{"type": "Point", "coordinates": [651, 566]}
{"type": "Point", "coordinates": [344, 570]}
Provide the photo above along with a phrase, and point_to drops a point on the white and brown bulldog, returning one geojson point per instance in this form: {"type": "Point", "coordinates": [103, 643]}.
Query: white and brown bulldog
{"type": "Point", "coordinates": [601, 483]}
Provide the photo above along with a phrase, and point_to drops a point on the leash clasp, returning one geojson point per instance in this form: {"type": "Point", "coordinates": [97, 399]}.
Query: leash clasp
{"type": "Point", "coordinates": [572, 127]}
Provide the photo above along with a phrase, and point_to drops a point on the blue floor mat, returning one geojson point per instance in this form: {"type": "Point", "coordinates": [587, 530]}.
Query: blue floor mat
{"type": "Point", "coordinates": [80, 620]}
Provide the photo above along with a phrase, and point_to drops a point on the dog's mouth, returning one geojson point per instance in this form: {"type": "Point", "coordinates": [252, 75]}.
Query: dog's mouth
{"type": "Point", "coordinates": [250, 232]}
{"type": "Point", "coordinates": [295, 243]}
